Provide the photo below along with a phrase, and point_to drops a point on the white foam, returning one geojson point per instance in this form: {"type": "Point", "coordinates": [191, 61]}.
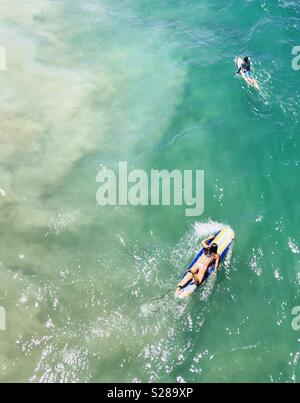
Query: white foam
{"type": "Point", "coordinates": [218, 193]}
{"type": "Point", "coordinates": [259, 218]}
{"type": "Point", "coordinates": [62, 221]}
{"type": "Point", "coordinates": [278, 275]}
{"type": "Point", "coordinates": [205, 229]}
{"type": "Point", "coordinates": [293, 246]}
{"type": "Point", "coordinates": [207, 288]}
{"type": "Point", "coordinates": [255, 262]}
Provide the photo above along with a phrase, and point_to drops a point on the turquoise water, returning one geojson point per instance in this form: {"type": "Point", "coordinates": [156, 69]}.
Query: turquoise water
{"type": "Point", "coordinates": [91, 83]}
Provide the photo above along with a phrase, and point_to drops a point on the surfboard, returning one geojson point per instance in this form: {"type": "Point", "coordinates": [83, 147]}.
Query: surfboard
{"type": "Point", "coordinates": [224, 239]}
{"type": "Point", "coordinates": [253, 83]}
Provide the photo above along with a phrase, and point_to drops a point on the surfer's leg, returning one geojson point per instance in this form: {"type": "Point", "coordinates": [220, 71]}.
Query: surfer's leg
{"type": "Point", "coordinates": [199, 277]}
{"type": "Point", "coordinates": [185, 280]}
{"type": "Point", "coordinates": [192, 275]}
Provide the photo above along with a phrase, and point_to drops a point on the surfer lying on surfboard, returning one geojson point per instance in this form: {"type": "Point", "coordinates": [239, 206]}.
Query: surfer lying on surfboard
{"type": "Point", "coordinates": [244, 69]}
{"type": "Point", "coordinates": [198, 271]}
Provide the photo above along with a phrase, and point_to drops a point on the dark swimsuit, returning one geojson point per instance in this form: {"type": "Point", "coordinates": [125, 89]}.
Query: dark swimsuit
{"type": "Point", "coordinates": [246, 67]}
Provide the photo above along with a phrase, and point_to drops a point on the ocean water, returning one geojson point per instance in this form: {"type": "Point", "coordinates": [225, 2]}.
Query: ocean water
{"type": "Point", "coordinates": [90, 83]}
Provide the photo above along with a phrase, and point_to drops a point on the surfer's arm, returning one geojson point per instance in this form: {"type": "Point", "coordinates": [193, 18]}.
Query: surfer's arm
{"type": "Point", "coordinates": [239, 70]}
{"type": "Point", "coordinates": [217, 263]}
{"type": "Point", "coordinates": [204, 242]}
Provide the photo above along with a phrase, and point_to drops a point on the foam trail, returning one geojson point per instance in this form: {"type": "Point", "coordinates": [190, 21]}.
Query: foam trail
{"type": "Point", "coordinates": [209, 228]}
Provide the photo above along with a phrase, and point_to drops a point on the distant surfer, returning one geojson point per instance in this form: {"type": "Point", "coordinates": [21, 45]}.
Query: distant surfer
{"type": "Point", "coordinates": [198, 271]}
{"type": "Point", "coordinates": [244, 69]}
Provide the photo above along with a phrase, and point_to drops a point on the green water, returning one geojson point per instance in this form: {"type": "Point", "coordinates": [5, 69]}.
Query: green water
{"type": "Point", "coordinates": [91, 83]}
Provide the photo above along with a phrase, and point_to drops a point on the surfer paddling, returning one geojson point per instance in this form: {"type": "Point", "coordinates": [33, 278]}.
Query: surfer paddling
{"type": "Point", "coordinates": [244, 69]}
{"type": "Point", "coordinates": [199, 269]}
